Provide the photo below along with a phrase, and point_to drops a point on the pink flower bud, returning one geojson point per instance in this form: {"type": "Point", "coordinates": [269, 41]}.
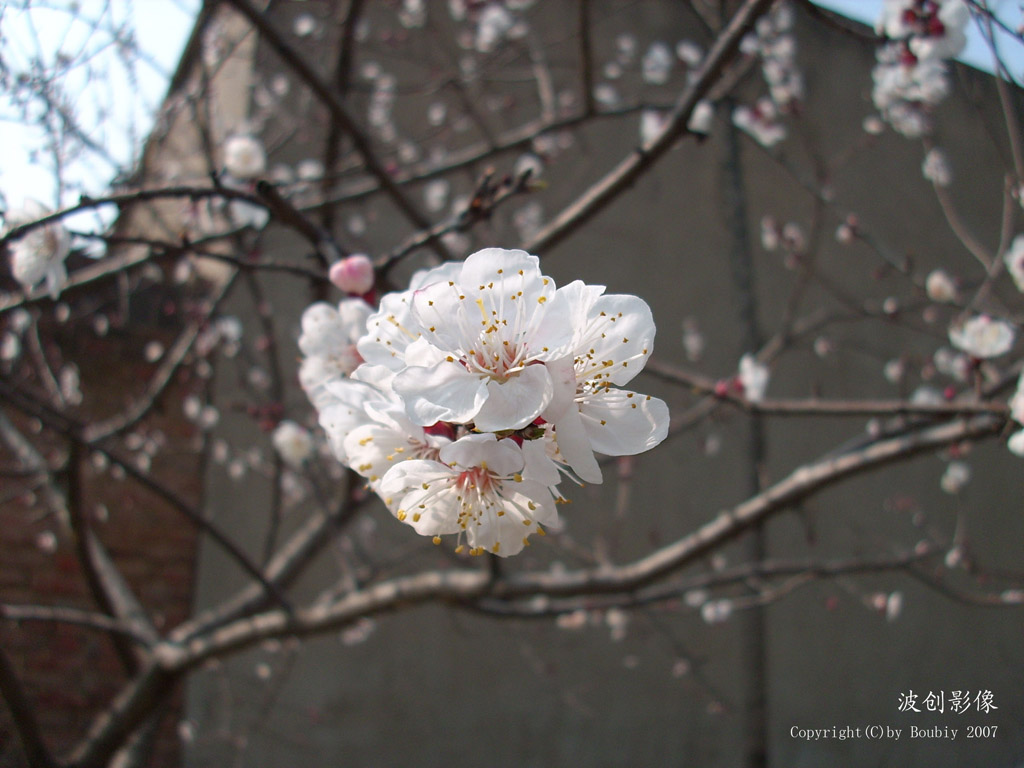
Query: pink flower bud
{"type": "Point", "coordinates": [353, 274]}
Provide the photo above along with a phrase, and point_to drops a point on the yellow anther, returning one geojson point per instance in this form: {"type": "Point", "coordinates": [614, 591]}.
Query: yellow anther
{"type": "Point", "coordinates": [416, 517]}
{"type": "Point", "coordinates": [483, 312]}
{"type": "Point", "coordinates": [401, 515]}
{"type": "Point", "coordinates": [437, 540]}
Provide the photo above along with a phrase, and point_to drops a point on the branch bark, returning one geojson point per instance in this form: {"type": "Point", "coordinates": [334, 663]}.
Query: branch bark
{"type": "Point", "coordinates": [645, 157]}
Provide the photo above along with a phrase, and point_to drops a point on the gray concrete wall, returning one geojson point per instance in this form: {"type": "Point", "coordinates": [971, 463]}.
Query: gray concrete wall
{"type": "Point", "coordinates": [435, 686]}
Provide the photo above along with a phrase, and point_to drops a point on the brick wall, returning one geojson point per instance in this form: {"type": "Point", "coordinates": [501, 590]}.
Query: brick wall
{"type": "Point", "coordinates": [70, 673]}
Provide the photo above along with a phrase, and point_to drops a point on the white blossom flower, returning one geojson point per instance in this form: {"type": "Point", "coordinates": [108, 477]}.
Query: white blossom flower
{"type": "Point", "coordinates": [328, 340]}
{"type": "Point", "coordinates": [530, 163]}
{"type": "Point", "coordinates": [982, 337]}
{"type": "Point", "coordinates": [244, 157]}
{"type": "Point", "coordinates": [716, 611]}
{"type": "Point", "coordinates": [934, 29]}
{"type": "Point", "coordinates": [304, 25]}
{"type": "Point", "coordinates": [1017, 402]}
{"type": "Point", "coordinates": [936, 168]}
{"type": "Point", "coordinates": [1016, 443]}
{"type": "Point", "coordinates": [413, 14]}
{"type": "Point", "coordinates": [776, 46]}
{"type": "Point", "coordinates": [613, 339]}
{"type": "Point", "coordinates": [1014, 260]}
{"type": "Point", "coordinates": [754, 378]}
{"type": "Point", "coordinates": [956, 476]}
{"type": "Point", "coordinates": [435, 195]}
{"type": "Point", "coordinates": [689, 53]}
{"type": "Point", "coordinates": [246, 214]}
{"type": "Point", "coordinates": [652, 123]}
{"type": "Point", "coordinates": [293, 443]}
{"type": "Point", "coordinates": [529, 219]}
{"type": "Point", "coordinates": [657, 64]}
{"type": "Point", "coordinates": [893, 606]}
{"type": "Point", "coordinates": [940, 286]}
{"type": "Point", "coordinates": [476, 489]}
{"type": "Point", "coordinates": [760, 121]}
{"type": "Point", "coordinates": [38, 256]}
{"type": "Point", "coordinates": [770, 233]}
{"type": "Point", "coordinates": [309, 169]}
{"type": "Point", "coordinates": [905, 89]}
{"type": "Point", "coordinates": [693, 340]}
{"type": "Point", "coordinates": [493, 24]}
{"type": "Point", "coordinates": [956, 365]}
{"type": "Point", "coordinates": [702, 118]}
{"type": "Point", "coordinates": [484, 339]}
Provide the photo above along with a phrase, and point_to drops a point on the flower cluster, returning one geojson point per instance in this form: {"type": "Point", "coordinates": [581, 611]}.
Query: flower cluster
{"type": "Point", "coordinates": [910, 76]}
{"type": "Point", "coordinates": [39, 255]}
{"type": "Point", "coordinates": [478, 390]}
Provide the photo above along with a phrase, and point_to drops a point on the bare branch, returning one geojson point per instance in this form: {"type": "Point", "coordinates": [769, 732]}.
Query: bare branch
{"type": "Point", "coordinates": [339, 113]}
{"type": "Point", "coordinates": [23, 716]}
{"type": "Point", "coordinates": [625, 174]}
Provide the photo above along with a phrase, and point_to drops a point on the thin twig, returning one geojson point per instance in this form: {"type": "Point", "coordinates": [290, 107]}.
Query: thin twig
{"type": "Point", "coordinates": [339, 113]}
{"type": "Point", "coordinates": [645, 157]}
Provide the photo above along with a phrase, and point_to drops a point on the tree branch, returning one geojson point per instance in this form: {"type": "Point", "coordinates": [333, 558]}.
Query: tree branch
{"type": "Point", "coordinates": [23, 716]}
{"type": "Point", "coordinates": [623, 176]}
{"type": "Point", "coordinates": [339, 113]}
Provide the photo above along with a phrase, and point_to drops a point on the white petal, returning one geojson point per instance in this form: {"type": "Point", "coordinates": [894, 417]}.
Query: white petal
{"type": "Point", "coordinates": [574, 445]}
{"type": "Point", "coordinates": [502, 457]}
{"type": "Point", "coordinates": [617, 339]}
{"type": "Point", "coordinates": [423, 491]}
{"type": "Point", "coordinates": [389, 331]}
{"type": "Point", "coordinates": [373, 449]}
{"type": "Point", "coordinates": [621, 423]}
{"type": "Point", "coordinates": [482, 267]}
{"type": "Point", "coordinates": [447, 392]}
{"type": "Point", "coordinates": [56, 276]}
{"type": "Point", "coordinates": [515, 402]}
{"type": "Point", "coordinates": [442, 273]}
{"type": "Point", "coordinates": [538, 466]}
{"type": "Point", "coordinates": [563, 378]}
